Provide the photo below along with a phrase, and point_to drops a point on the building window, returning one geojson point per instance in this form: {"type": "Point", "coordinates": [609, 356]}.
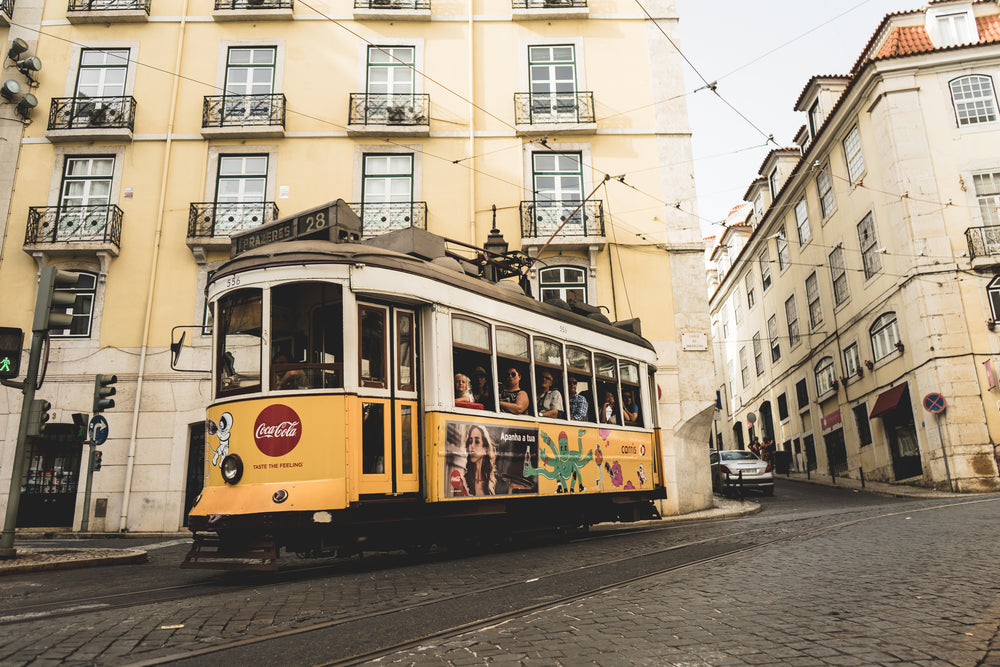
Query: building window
{"type": "Point", "coordinates": [82, 309]}
{"type": "Point", "coordinates": [782, 242]}
{"type": "Point", "coordinates": [993, 293]}
{"type": "Point", "coordinates": [802, 222]}
{"type": "Point", "coordinates": [102, 73]}
{"type": "Point", "coordinates": [772, 338]}
{"type": "Point", "coordinates": [988, 195]}
{"type": "Point", "coordinates": [953, 29]}
{"type": "Point", "coordinates": [792, 317]}
{"type": "Point", "coordinates": [737, 309]}
{"type": "Point", "coordinates": [731, 374]}
{"type": "Point", "coordinates": [812, 296]}
{"type": "Point", "coordinates": [84, 197]}
{"type": "Point", "coordinates": [815, 119]}
{"type": "Point", "coordinates": [864, 427]}
{"type": "Point", "coordinates": [390, 74]}
{"type": "Point", "coordinates": [825, 376]}
{"type": "Point", "coordinates": [852, 151]}
{"type": "Point", "coordinates": [772, 183]}
{"type": "Point", "coordinates": [885, 334]}
{"type": "Point", "coordinates": [782, 407]}
{"type": "Point", "coordinates": [765, 269]}
{"type": "Point", "coordinates": [838, 273]}
{"type": "Point", "coordinates": [744, 367]}
{"type": "Point", "coordinates": [552, 77]}
{"type": "Point", "coordinates": [852, 360]}
{"type": "Point", "coordinates": [249, 72]}
{"type": "Point", "coordinates": [725, 321]}
{"type": "Point", "coordinates": [751, 296]}
{"type": "Point", "coordinates": [558, 188]}
{"type": "Point", "coordinates": [758, 208]}
{"type": "Point", "coordinates": [802, 393]}
{"type": "Point", "coordinates": [386, 193]}
{"type": "Point", "coordinates": [974, 99]}
{"type": "Point", "coordinates": [242, 180]}
{"type": "Point", "coordinates": [758, 354]}
{"type": "Point", "coordinates": [870, 252]}
{"type": "Point", "coordinates": [824, 186]}
{"type": "Point", "coordinates": [563, 282]}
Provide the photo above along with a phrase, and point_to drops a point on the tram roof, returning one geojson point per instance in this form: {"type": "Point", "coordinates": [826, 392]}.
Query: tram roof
{"type": "Point", "coordinates": [327, 252]}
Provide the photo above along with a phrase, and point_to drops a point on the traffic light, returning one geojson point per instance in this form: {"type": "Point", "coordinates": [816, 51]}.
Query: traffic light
{"type": "Point", "coordinates": [11, 341]}
{"type": "Point", "coordinates": [38, 414]}
{"type": "Point", "coordinates": [102, 390]}
{"type": "Point", "coordinates": [96, 461]}
{"type": "Point", "coordinates": [80, 420]}
{"type": "Point", "coordinates": [53, 299]}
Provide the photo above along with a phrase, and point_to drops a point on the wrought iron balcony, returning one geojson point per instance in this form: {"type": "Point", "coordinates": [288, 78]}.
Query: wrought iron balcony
{"type": "Point", "coordinates": [381, 217]}
{"type": "Point", "coordinates": [549, 4]}
{"type": "Point", "coordinates": [102, 11]}
{"type": "Point", "coordinates": [207, 220]}
{"type": "Point", "coordinates": [544, 108]}
{"type": "Point", "coordinates": [6, 12]}
{"type": "Point", "coordinates": [406, 111]}
{"type": "Point", "coordinates": [235, 115]}
{"type": "Point", "coordinates": [392, 4]}
{"type": "Point", "coordinates": [983, 241]}
{"type": "Point", "coordinates": [98, 224]}
{"type": "Point", "coordinates": [235, 6]}
{"type": "Point", "coordinates": [541, 219]}
{"type": "Point", "coordinates": [82, 118]}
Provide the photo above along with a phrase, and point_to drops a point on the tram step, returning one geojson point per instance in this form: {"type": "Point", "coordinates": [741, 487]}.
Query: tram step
{"type": "Point", "coordinates": [209, 553]}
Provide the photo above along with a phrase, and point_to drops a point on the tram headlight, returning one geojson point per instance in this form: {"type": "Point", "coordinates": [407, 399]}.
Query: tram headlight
{"type": "Point", "coordinates": [232, 469]}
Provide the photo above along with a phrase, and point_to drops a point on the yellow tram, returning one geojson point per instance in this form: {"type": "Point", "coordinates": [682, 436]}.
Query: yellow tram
{"type": "Point", "coordinates": [341, 422]}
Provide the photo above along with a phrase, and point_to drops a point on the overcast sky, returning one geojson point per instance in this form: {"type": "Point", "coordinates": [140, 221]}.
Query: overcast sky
{"type": "Point", "coordinates": [762, 53]}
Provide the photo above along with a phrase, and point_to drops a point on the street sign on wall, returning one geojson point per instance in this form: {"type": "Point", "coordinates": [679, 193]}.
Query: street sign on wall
{"type": "Point", "coordinates": [934, 403]}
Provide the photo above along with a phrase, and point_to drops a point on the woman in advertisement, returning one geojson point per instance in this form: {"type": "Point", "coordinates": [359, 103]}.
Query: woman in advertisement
{"type": "Point", "coordinates": [480, 469]}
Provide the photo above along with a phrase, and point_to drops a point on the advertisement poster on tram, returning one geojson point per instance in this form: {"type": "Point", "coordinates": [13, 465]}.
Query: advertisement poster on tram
{"type": "Point", "coordinates": [490, 460]}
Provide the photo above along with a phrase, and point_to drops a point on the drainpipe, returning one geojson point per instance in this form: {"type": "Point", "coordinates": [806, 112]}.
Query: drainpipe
{"type": "Point", "coordinates": [472, 127]}
{"type": "Point", "coordinates": [154, 261]}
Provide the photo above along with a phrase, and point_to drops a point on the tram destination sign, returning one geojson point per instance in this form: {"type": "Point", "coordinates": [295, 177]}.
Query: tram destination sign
{"type": "Point", "coordinates": [333, 221]}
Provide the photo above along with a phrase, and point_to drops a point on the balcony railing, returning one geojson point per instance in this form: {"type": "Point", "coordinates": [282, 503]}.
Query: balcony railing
{"type": "Point", "coordinates": [538, 108]}
{"type": "Point", "coordinates": [244, 5]}
{"type": "Point", "coordinates": [74, 224]}
{"type": "Point", "coordinates": [549, 4]}
{"type": "Point", "coordinates": [392, 4]}
{"type": "Point", "coordinates": [89, 113]}
{"type": "Point", "coordinates": [243, 111]}
{"type": "Point", "coordinates": [983, 241]}
{"type": "Point", "coordinates": [212, 219]}
{"type": "Point", "coordinates": [381, 217]}
{"type": "Point", "coordinates": [7, 11]}
{"type": "Point", "coordinates": [108, 5]}
{"type": "Point", "coordinates": [402, 110]}
{"type": "Point", "coordinates": [543, 218]}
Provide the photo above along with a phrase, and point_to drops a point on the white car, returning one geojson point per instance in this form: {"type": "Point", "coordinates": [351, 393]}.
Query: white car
{"type": "Point", "coordinates": [730, 468]}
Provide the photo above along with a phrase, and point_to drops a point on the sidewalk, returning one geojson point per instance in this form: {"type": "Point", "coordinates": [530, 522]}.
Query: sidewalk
{"type": "Point", "coordinates": [880, 488]}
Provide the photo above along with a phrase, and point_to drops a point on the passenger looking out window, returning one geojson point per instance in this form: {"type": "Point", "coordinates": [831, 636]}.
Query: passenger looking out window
{"type": "Point", "coordinates": [463, 392]}
{"type": "Point", "coordinates": [577, 403]}
{"type": "Point", "coordinates": [284, 376]}
{"type": "Point", "coordinates": [550, 401]}
{"type": "Point", "coordinates": [609, 409]}
{"type": "Point", "coordinates": [630, 409]}
{"type": "Point", "coordinates": [513, 399]}
{"type": "Point", "coordinates": [481, 391]}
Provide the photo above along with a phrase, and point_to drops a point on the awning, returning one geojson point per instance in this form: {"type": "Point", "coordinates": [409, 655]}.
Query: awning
{"type": "Point", "coordinates": [888, 401]}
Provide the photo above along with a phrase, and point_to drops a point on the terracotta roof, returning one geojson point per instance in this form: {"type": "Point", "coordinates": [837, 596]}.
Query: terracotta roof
{"type": "Point", "coordinates": [786, 150]}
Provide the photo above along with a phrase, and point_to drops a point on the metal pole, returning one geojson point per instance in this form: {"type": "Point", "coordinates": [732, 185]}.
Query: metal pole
{"type": "Point", "coordinates": [861, 473]}
{"type": "Point", "coordinates": [85, 522]}
{"type": "Point", "coordinates": [944, 453]}
{"type": "Point", "coordinates": [7, 549]}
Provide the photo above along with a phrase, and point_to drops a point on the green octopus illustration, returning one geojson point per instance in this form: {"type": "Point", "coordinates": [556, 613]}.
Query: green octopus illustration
{"type": "Point", "coordinates": [566, 466]}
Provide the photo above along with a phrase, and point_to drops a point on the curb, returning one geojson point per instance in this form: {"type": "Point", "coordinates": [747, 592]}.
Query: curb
{"type": "Point", "coordinates": [38, 560]}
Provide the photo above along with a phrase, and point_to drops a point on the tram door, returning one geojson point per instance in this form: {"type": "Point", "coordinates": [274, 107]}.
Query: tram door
{"type": "Point", "coordinates": [387, 387]}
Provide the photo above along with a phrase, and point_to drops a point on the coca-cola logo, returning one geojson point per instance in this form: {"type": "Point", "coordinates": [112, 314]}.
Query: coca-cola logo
{"type": "Point", "coordinates": [277, 430]}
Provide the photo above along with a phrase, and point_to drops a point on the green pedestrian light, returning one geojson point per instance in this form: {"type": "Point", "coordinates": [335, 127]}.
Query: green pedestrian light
{"type": "Point", "coordinates": [11, 341]}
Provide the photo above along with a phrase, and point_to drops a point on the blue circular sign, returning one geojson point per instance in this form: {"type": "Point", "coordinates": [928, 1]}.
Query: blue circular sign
{"type": "Point", "coordinates": [934, 403]}
{"type": "Point", "coordinates": [97, 430]}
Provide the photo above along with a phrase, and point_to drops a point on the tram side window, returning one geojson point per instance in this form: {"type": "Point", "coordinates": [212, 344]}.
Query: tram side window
{"type": "Point", "coordinates": [239, 325]}
{"type": "Point", "coordinates": [472, 359]}
{"type": "Point", "coordinates": [609, 411]}
{"type": "Point", "coordinates": [580, 379]}
{"type": "Point", "coordinates": [372, 334]}
{"type": "Point", "coordinates": [307, 340]}
{"type": "Point", "coordinates": [514, 366]}
{"type": "Point", "coordinates": [631, 396]}
{"type": "Point", "coordinates": [549, 378]}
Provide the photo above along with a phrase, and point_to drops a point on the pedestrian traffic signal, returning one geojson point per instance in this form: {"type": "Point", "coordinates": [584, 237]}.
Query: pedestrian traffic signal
{"type": "Point", "coordinates": [96, 465]}
{"type": "Point", "coordinates": [102, 390]}
{"type": "Point", "coordinates": [11, 341]}
{"type": "Point", "coordinates": [38, 415]}
{"type": "Point", "coordinates": [55, 296]}
{"type": "Point", "coordinates": [80, 420]}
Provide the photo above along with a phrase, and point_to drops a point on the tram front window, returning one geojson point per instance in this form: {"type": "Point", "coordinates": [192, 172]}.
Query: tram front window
{"type": "Point", "coordinates": [239, 324]}
{"type": "Point", "coordinates": [307, 336]}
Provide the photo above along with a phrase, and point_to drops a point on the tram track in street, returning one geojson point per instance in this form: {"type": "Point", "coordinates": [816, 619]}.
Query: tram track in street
{"type": "Point", "coordinates": [449, 606]}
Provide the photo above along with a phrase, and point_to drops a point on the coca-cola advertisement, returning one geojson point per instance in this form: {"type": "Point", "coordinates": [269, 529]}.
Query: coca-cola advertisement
{"type": "Point", "coordinates": [277, 430]}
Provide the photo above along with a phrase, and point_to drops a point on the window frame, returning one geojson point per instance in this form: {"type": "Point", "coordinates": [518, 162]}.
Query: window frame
{"type": "Point", "coordinates": [748, 282]}
{"type": "Point", "coordinates": [813, 300]}
{"type": "Point", "coordinates": [853, 156]}
{"type": "Point", "coordinates": [869, 247]}
{"type": "Point", "coordinates": [781, 241]}
{"type": "Point", "coordinates": [802, 222]}
{"type": "Point", "coordinates": [764, 260]}
{"type": "Point", "coordinates": [826, 376]}
{"type": "Point", "coordinates": [852, 360]}
{"type": "Point", "coordinates": [82, 309]}
{"type": "Point", "coordinates": [983, 105]}
{"type": "Point", "coordinates": [883, 330]}
{"type": "Point", "coordinates": [563, 287]}
{"type": "Point", "coordinates": [773, 339]}
{"type": "Point", "coordinates": [758, 354]}
{"type": "Point", "coordinates": [792, 321]}
{"type": "Point", "coordinates": [824, 189]}
{"type": "Point", "coordinates": [838, 276]}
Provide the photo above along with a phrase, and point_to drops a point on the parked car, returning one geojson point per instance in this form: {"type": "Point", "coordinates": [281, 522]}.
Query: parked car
{"type": "Point", "coordinates": [727, 466]}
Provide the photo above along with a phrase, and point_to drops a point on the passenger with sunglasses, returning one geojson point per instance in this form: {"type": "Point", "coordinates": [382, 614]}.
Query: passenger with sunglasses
{"type": "Point", "coordinates": [513, 399]}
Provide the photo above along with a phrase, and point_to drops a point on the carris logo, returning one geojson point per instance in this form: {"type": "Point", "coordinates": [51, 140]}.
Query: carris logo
{"type": "Point", "coordinates": [277, 430]}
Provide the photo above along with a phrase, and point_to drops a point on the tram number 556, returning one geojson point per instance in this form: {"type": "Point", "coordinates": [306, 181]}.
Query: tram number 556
{"type": "Point", "coordinates": [316, 222]}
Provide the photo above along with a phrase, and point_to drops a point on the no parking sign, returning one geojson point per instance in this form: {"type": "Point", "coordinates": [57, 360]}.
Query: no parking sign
{"type": "Point", "coordinates": [934, 403]}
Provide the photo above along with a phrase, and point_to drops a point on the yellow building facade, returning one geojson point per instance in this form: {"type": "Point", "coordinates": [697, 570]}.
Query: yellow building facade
{"type": "Point", "coordinates": [855, 318]}
{"type": "Point", "coordinates": [164, 126]}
